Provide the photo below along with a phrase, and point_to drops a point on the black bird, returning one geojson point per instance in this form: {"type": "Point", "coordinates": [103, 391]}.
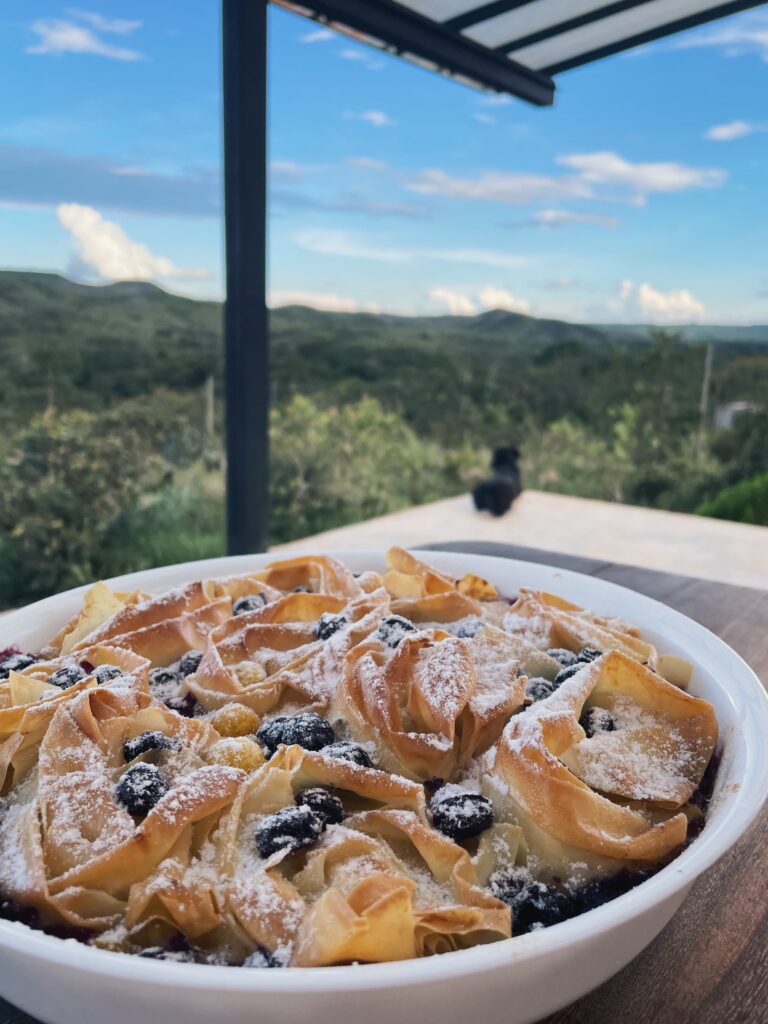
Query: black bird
{"type": "Point", "coordinates": [496, 493]}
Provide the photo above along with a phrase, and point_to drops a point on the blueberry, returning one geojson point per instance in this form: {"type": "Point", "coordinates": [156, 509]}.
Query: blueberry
{"type": "Point", "coordinates": [140, 787]}
{"type": "Point", "coordinates": [190, 662]}
{"type": "Point", "coordinates": [603, 890]}
{"type": "Point", "coordinates": [186, 706]}
{"type": "Point", "coordinates": [309, 730]}
{"type": "Point", "coordinates": [534, 904]}
{"type": "Point", "coordinates": [291, 828]}
{"type": "Point", "coordinates": [393, 629]}
{"type": "Point", "coordinates": [164, 677]}
{"type": "Point", "coordinates": [105, 673]}
{"type": "Point", "coordinates": [597, 720]}
{"type": "Point", "coordinates": [461, 815]}
{"type": "Point", "coordinates": [147, 741]}
{"type": "Point", "coordinates": [469, 628]}
{"type": "Point", "coordinates": [568, 672]}
{"type": "Point", "coordinates": [262, 957]}
{"type": "Point", "coordinates": [587, 654]}
{"type": "Point", "coordinates": [323, 802]}
{"type": "Point", "coordinates": [538, 688]}
{"type": "Point", "coordinates": [349, 752]}
{"type": "Point", "coordinates": [178, 951]}
{"type": "Point", "coordinates": [15, 662]}
{"type": "Point", "coordinates": [328, 625]}
{"type": "Point", "coordinates": [67, 676]}
{"type": "Point", "coordinates": [251, 603]}
{"type": "Point", "coordinates": [563, 655]}
{"type": "Point", "coordinates": [302, 590]}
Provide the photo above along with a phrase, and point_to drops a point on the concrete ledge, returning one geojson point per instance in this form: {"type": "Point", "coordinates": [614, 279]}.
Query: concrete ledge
{"type": "Point", "coordinates": [711, 549]}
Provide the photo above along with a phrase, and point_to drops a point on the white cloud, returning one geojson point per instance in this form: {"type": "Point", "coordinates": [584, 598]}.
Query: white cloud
{"type": "Point", "coordinates": [120, 26]}
{"type": "Point", "coordinates": [594, 174]}
{"type": "Point", "coordinates": [362, 57]}
{"type": "Point", "coordinates": [484, 118]}
{"type": "Point", "coordinates": [606, 168]}
{"type": "Point", "coordinates": [500, 298]}
{"type": "Point", "coordinates": [496, 99]}
{"type": "Point", "coordinates": [375, 117]}
{"type": "Point", "coordinates": [646, 302]}
{"type": "Point", "coordinates": [748, 34]}
{"type": "Point", "coordinates": [342, 243]}
{"type": "Point", "coordinates": [454, 301]}
{"type": "Point", "coordinates": [56, 36]}
{"type": "Point", "coordinates": [104, 247]}
{"type": "Point", "coordinates": [321, 300]}
{"type": "Point", "coordinates": [499, 187]}
{"type": "Point", "coordinates": [459, 303]}
{"type": "Point", "coordinates": [285, 170]}
{"type": "Point", "coordinates": [732, 130]}
{"type": "Point", "coordinates": [367, 163]}
{"type": "Point", "coordinates": [563, 218]}
{"type": "Point", "coordinates": [318, 35]}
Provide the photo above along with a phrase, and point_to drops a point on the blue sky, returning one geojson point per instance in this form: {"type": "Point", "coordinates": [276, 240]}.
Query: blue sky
{"type": "Point", "coordinates": [640, 196]}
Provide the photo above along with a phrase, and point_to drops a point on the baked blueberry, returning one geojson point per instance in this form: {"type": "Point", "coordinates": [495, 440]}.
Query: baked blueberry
{"type": "Point", "coordinates": [187, 705]}
{"type": "Point", "coordinates": [291, 828]}
{"type": "Point", "coordinates": [147, 741]}
{"type": "Point", "coordinates": [323, 802]}
{"type": "Point", "coordinates": [538, 688]}
{"type": "Point", "coordinates": [179, 956]}
{"type": "Point", "coordinates": [251, 603]}
{"type": "Point", "coordinates": [603, 890]}
{"type": "Point", "coordinates": [393, 629]}
{"type": "Point", "coordinates": [597, 720]}
{"type": "Point", "coordinates": [190, 662]}
{"type": "Point", "coordinates": [164, 677]}
{"type": "Point", "coordinates": [534, 904]}
{"type": "Point", "coordinates": [67, 676]}
{"type": "Point", "coordinates": [563, 655]}
{"type": "Point", "coordinates": [328, 625]}
{"type": "Point", "coordinates": [587, 654]}
{"type": "Point", "coordinates": [262, 957]}
{"type": "Point", "coordinates": [349, 752]}
{"type": "Point", "coordinates": [309, 730]}
{"type": "Point", "coordinates": [140, 787]}
{"type": "Point", "coordinates": [461, 815]}
{"type": "Point", "coordinates": [16, 661]}
{"type": "Point", "coordinates": [469, 628]}
{"type": "Point", "coordinates": [105, 673]}
{"type": "Point", "coordinates": [302, 590]}
{"type": "Point", "coordinates": [568, 672]}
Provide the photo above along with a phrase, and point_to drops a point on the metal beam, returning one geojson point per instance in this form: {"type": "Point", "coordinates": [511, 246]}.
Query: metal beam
{"type": "Point", "coordinates": [692, 21]}
{"type": "Point", "coordinates": [244, 68]}
{"type": "Point", "coordinates": [407, 31]}
{"type": "Point", "coordinates": [571, 23]}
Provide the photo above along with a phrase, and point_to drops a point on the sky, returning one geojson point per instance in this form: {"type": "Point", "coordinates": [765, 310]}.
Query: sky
{"type": "Point", "coordinates": [641, 196]}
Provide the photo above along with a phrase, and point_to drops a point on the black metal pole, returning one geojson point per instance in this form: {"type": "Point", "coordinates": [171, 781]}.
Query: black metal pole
{"type": "Point", "coordinates": [246, 337]}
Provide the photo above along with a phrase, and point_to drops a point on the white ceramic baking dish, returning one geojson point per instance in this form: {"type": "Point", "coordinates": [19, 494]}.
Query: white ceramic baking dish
{"type": "Point", "coordinates": [510, 982]}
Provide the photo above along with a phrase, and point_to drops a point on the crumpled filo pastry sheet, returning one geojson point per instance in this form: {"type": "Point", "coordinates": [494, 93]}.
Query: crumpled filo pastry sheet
{"type": "Point", "coordinates": [446, 704]}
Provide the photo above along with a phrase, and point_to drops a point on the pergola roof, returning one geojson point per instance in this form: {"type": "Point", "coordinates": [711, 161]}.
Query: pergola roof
{"type": "Point", "coordinates": [513, 46]}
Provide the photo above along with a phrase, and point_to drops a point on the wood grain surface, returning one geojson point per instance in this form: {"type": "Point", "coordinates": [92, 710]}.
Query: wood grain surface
{"type": "Point", "coordinates": [710, 964]}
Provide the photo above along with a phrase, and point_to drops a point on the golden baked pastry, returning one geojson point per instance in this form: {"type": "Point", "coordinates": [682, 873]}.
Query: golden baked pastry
{"type": "Point", "coordinates": [301, 767]}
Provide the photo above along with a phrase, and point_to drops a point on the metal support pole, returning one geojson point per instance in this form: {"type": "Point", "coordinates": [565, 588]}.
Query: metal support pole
{"type": "Point", "coordinates": [246, 337]}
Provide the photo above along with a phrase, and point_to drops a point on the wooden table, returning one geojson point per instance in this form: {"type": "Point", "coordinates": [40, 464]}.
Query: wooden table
{"type": "Point", "coordinates": [710, 964]}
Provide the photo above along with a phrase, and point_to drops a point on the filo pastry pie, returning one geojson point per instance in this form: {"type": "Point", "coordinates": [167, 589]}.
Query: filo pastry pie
{"type": "Point", "coordinates": [303, 767]}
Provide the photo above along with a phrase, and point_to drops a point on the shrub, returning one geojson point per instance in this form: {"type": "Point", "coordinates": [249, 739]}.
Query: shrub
{"type": "Point", "coordinates": [745, 502]}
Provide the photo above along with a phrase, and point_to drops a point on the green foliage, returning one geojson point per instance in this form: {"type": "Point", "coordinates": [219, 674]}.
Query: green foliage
{"type": "Point", "coordinates": [745, 502]}
{"type": "Point", "coordinates": [110, 456]}
{"type": "Point", "coordinates": [340, 465]}
{"type": "Point", "coordinates": [62, 485]}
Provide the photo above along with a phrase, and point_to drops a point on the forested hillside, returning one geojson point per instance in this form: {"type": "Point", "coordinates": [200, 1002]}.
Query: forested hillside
{"type": "Point", "coordinates": [110, 420]}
